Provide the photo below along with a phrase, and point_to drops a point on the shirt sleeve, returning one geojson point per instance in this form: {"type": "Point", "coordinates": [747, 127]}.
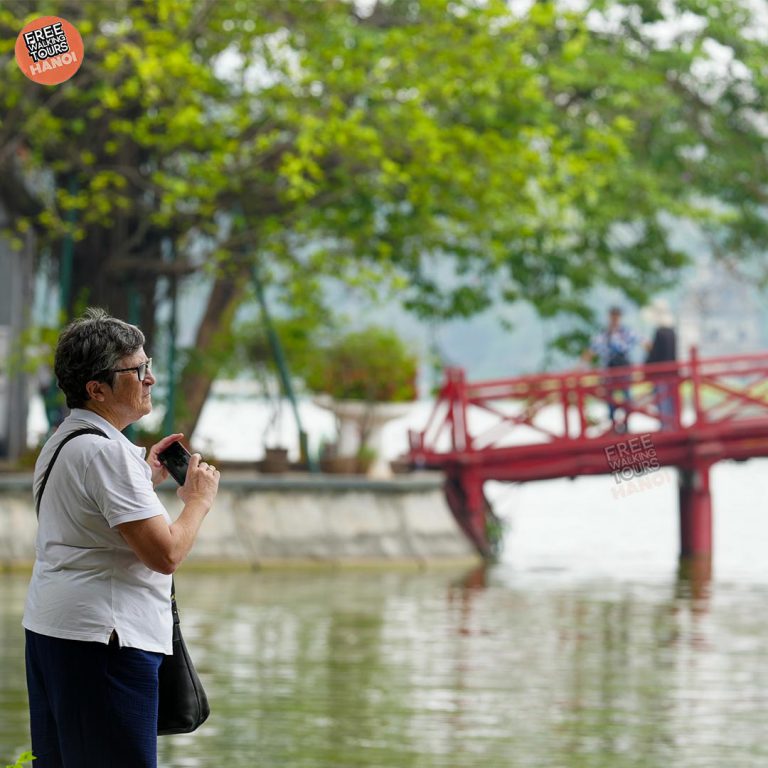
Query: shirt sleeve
{"type": "Point", "coordinates": [120, 483]}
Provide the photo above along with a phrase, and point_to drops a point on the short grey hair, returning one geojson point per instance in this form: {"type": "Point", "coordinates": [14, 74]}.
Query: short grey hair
{"type": "Point", "coordinates": [88, 349]}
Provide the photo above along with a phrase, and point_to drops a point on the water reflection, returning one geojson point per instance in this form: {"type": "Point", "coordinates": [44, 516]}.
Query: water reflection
{"type": "Point", "coordinates": [496, 667]}
{"type": "Point", "coordinates": [694, 578]}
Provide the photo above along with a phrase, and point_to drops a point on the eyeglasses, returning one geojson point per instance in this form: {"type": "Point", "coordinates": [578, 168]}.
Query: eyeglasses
{"type": "Point", "coordinates": [141, 370]}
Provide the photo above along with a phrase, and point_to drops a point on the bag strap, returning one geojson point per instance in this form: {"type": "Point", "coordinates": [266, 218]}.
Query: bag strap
{"type": "Point", "coordinates": [174, 608]}
{"type": "Point", "coordinates": [71, 436]}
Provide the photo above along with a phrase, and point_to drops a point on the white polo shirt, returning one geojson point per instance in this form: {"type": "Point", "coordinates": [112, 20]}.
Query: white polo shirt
{"type": "Point", "coordinates": [87, 581]}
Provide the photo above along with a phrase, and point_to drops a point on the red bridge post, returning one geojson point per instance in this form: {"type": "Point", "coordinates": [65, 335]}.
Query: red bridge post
{"type": "Point", "coordinates": [695, 512]}
{"type": "Point", "coordinates": [476, 511]}
{"type": "Point", "coordinates": [464, 493]}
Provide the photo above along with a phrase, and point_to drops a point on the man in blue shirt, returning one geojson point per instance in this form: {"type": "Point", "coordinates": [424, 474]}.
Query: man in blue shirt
{"type": "Point", "coordinates": [612, 348]}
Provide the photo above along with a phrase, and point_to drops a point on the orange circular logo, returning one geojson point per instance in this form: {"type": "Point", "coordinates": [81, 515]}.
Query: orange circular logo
{"type": "Point", "coordinates": [49, 50]}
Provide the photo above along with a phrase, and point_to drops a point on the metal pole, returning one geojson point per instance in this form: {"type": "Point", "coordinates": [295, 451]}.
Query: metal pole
{"type": "Point", "coordinates": [52, 398]}
{"type": "Point", "coordinates": [67, 257]}
{"type": "Point", "coordinates": [134, 317]}
{"type": "Point", "coordinates": [282, 367]}
{"type": "Point", "coordinates": [170, 407]}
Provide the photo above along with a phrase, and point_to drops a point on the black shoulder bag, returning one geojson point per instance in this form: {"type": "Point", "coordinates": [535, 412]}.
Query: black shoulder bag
{"type": "Point", "coordinates": [183, 705]}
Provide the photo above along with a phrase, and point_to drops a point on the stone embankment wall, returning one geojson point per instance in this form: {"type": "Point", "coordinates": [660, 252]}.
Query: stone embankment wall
{"type": "Point", "coordinates": [262, 521]}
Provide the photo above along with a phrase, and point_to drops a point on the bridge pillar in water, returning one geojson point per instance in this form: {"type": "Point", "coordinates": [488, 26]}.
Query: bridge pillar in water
{"type": "Point", "coordinates": [695, 512]}
{"type": "Point", "coordinates": [476, 507]}
{"type": "Point", "coordinates": [464, 492]}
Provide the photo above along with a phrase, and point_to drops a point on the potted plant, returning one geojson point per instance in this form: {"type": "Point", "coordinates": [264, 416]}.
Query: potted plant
{"type": "Point", "coordinates": [366, 377]}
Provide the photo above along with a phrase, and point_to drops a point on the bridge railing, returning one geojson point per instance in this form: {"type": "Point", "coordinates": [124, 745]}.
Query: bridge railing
{"type": "Point", "coordinates": [728, 389]}
{"type": "Point", "coordinates": [577, 405]}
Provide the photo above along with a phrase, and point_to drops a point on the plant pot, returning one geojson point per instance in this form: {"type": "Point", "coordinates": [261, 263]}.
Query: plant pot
{"type": "Point", "coordinates": [400, 466]}
{"type": "Point", "coordinates": [275, 461]}
{"type": "Point", "coordinates": [340, 465]}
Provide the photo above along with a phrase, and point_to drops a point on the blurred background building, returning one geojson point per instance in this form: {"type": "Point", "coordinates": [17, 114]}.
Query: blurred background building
{"type": "Point", "coordinates": [719, 313]}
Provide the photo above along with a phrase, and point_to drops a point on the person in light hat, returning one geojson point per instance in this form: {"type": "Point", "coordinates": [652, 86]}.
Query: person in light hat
{"type": "Point", "coordinates": [663, 350]}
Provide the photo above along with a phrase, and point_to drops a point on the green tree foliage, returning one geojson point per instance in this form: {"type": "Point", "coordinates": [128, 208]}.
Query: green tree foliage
{"type": "Point", "coordinates": [449, 153]}
{"type": "Point", "coordinates": [698, 107]}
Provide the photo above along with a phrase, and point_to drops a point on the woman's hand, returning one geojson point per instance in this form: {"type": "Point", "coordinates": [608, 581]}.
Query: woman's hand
{"type": "Point", "coordinates": [159, 472]}
{"type": "Point", "coordinates": [202, 483]}
{"type": "Point", "coordinates": [163, 547]}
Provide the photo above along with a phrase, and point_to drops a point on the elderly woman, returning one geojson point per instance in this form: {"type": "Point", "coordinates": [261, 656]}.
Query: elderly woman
{"type": "Point", "coordinates": [98, 616]}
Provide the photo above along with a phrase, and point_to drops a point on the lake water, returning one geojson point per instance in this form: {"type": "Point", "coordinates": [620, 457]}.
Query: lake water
{"type": "Point", "coordinates": [584, 648]}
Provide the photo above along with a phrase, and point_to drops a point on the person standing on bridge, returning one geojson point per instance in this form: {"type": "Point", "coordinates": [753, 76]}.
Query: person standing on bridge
{"type": "Point", "coordinates": [612, 348]}
{"type": "Point", "coordinates": [663, 349]}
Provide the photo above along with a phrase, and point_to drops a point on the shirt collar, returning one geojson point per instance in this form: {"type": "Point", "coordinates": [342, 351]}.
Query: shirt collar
{"type": "Point", "coordinates": [83, 414]}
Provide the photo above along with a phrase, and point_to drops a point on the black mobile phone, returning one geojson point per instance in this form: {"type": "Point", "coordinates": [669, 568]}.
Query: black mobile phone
{"type": "Point", "coordinates": [175, 458]}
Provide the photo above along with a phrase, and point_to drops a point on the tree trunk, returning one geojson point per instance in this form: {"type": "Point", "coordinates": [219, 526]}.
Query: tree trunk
{"type": "Point", "coordinates": [125, 293]}
{"type": "Point", "coordinates": [200, 371]}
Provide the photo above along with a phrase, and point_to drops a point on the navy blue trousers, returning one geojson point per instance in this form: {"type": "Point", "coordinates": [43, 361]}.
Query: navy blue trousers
{"type": "Point", "coordinates": [91, 705]}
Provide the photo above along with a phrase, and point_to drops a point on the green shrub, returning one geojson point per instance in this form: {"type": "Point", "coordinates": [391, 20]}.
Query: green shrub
{"type": "Point", "coordinates": [372, 364]}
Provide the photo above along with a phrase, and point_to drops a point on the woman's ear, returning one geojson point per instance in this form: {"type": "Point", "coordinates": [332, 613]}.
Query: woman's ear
{"type": "Point", "coordinates": [95, 390]}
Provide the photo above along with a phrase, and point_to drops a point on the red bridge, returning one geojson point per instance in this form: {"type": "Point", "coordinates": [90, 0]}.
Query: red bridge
{"type": "Point", "coordinates": [685, 414]}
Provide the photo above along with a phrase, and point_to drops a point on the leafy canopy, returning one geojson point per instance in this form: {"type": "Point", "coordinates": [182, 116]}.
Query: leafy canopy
{"type": "Point", "coordinates": [448, 154]}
